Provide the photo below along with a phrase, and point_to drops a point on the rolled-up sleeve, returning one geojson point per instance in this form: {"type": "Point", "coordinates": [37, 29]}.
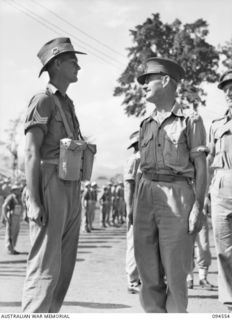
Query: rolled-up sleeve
{"type": "Point", "coordinates": [38, 113]}
{"type": "Point", "coordinates": [196, 136]}
{"type": "Point", "coordinates": [130, 170]}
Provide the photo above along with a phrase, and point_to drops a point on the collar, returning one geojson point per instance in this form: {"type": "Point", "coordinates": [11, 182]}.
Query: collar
{"type": "Point", "coordinates": [53, 89]}
{"type": "Point", "coordinates": [176, 110]}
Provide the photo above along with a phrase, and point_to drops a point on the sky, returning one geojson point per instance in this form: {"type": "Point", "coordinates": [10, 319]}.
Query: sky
{"type": "Point", "coordinates": [101, 29]}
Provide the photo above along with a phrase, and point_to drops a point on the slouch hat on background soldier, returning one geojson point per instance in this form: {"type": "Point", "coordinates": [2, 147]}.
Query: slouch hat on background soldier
{"type": "Point", "coordinates": [54, 204]}
{"type": "Point", "coordinates": [168, 210]}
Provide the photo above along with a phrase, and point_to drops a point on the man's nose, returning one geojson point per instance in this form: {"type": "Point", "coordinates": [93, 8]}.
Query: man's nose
{"type": "Point", "coordinates": [145, 86]}
{"type": "Point", "coordinates": [228, 91]}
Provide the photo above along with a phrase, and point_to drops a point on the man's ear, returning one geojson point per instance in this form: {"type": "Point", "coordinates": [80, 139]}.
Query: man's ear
{"type": "Point", "coordinates": [165, 80]}
{"type": "Point", "coordinates": [57, 64]}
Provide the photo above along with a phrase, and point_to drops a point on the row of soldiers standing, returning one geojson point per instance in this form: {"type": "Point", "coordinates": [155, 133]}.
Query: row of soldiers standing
{"type": "Point", "coordinates": [112, 204]}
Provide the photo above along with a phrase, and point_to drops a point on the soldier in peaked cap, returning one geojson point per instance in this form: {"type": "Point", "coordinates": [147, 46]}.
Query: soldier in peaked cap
{"type": "Point", "coordinates": [168, 213]}
{"type": "Point", "coordinates": [54, 204]}
{"type": "Point", "coordinates": [220, 161]}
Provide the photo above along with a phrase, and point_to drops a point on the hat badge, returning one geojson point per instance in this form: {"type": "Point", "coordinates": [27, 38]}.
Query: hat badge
{"type": "Point", "coordinates": [142, 68]}
{"type": "Point", "coordinates": [55, 51]}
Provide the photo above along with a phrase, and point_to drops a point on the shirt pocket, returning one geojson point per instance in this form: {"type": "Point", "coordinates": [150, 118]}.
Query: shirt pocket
{"type": "Point", "coordinates": [218, 161]}
{"type": "Point", "coordinates": [58, 126]}
{"type": "Point", "coordinates": [176, 153]}
{"type": "Point", "coordinates": [221, 137]}
{"type": "Point", "coordinates": [147, 153]}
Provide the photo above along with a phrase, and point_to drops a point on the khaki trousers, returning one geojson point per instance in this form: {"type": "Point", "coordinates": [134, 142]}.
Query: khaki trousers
{"type": "Point", "coordinates": [163, 247]}
{"type": "Point", "coordinates": [222, 228]}
{"type": "Point", "coordinates": [12, 231]}
{"type": "Point", "coordinates": [52, 257]}
{"type": "Point", "coordinates": [131, 268]}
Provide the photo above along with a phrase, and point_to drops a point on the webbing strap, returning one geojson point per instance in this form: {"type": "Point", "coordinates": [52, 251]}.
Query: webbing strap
{"type": "Point", "coordinates": [67, 128]}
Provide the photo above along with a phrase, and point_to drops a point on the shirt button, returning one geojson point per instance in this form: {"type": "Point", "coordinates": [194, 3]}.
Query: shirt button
{"type": "Point", "coordinates": [159, 145]}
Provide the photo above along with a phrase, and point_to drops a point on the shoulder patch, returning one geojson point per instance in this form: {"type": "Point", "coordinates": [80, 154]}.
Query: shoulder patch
{"type": "Point", "coordinates": [34, 100]}
{"type": "Point", "coordinates": [39, 119]}
{"type": "Point", "coordinates": [40, 97]}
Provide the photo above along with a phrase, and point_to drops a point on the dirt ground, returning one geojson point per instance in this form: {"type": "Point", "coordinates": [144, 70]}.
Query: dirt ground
{"type": "Point", "coordinates": [99, 281]}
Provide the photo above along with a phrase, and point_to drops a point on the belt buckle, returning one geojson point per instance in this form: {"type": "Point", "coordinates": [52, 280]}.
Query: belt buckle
{"type": "Point", "coordinates": [155, 177]}
{"type": "Point", "coordinates": [159, 177]}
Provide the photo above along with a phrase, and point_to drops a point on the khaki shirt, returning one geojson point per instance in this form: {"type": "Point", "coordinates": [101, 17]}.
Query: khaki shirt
{"type": "Point", "coordinates": [42, 112]}
{"type": "Point", "coordinates": [170, 147]}
{"type": "Point", "coordinates": [220, 142]}
{"type": "Point", "coordinates": [220, 147]}
{"type": "Point", "coordinates": [130, 174]}
{"type": "Point", "coordinates": [132, 167]}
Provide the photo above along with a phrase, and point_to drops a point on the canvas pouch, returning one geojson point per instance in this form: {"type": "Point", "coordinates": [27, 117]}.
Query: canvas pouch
{"type": "Point", "coordinates": [76, 156]}
{"type": "Point", "coordinates": [71, 159]}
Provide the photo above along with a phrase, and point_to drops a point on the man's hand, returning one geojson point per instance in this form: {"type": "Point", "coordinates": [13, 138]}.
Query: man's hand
{"type": "Point", "coordinates": [196, 217]}
{"type": "Point", "coordinates": [6, 215]}
{"type": "Point", "coordinates": [37, 214]}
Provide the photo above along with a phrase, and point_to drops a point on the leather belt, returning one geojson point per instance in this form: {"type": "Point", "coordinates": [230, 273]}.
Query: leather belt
{"type": "Point", "coordinates": [165, 177]}
{"type": "Point", "coordinates": [50, 161]}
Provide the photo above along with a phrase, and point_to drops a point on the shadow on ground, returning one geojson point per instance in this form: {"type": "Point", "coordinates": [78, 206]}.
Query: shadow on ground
{"type": "Point", "coordinates": [214, 296]}
{"type": "Point", "coordinates": [96, 305]}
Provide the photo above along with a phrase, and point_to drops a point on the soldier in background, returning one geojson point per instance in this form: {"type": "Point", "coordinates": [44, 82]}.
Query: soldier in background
{"type": "Point", "coordinates": [109, 209]}
{"type": "Point", "coordinates": [114, 205]}
{"type": "Point", "coordinates": [87, 207]}
{"type": "Point", "coordinates": [104, 204]}
{"type": "Point", "coordinates": [120, 203]}
{"type": "Point", "coordinates": [220, 162]}
{"type": "Point", "coordinates": [130, 173]}
{"type": "Point", "coordinates": [93, 191]}
{"type": "Point", "coordinates": [202, 252]}
{"type": "Point", "coordinates": [12, 211]}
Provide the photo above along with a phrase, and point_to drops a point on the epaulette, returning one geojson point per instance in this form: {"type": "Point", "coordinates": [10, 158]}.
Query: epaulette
{"type": "Point", "coordinates": [40, 93]}
{"type": "Point", "coordinates": [37, 95]}
{"type": "Point", "coordinates": [218, 119]}
{"type": "Point", "coordinates": [144, 120]}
